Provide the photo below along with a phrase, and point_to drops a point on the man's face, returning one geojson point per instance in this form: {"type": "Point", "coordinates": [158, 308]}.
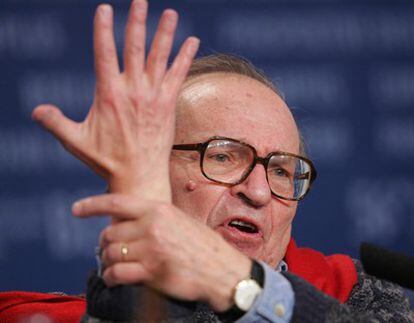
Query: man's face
{"type": "Point", "coordinates": [244, 109]}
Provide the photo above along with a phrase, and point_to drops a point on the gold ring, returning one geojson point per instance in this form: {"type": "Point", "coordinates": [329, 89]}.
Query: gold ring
{"type": "Point", "coordinates": [124, 251]}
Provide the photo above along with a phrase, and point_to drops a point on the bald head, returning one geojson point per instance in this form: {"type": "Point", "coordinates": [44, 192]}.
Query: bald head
{"type": "Point", "coordinates": [239, 104]}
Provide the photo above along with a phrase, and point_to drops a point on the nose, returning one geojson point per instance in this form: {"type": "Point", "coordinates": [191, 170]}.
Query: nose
{"type": "Point", "coordinates": [254, 188]}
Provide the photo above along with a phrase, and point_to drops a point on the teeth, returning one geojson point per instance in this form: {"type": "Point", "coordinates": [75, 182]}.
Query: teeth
{"type": "Point", "coordinates": [243, 224]}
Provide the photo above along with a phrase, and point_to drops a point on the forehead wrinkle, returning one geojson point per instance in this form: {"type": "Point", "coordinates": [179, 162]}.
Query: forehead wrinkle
{"type": "Point", "coordinates": [227, 101]}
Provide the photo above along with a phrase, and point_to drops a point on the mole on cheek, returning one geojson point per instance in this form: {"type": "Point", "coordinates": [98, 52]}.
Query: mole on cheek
{"type": "Point", "coordinates": [191, 185]}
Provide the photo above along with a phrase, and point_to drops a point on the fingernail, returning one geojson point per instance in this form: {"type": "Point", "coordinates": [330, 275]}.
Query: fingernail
{"type": "Point", "coordinates": [140, 3]}
{"type": "Point", "coordinates": [40, 113]}
{"type": "Point", "coordinates": [105, 10]}
{"type": "Point", "coordinates": [171, 15]}
{"type": "Point", "coordinates": [76, 208]}
{"type": "Point", "coordinates": [194, 43]}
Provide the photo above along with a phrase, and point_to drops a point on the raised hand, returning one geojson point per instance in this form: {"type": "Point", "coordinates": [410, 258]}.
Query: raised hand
{"type": "Point", "coordinates": [128, 132]}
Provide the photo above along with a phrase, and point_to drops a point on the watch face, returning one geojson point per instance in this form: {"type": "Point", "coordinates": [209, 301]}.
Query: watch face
{"type": "Point", "coordinates": [246, 292]}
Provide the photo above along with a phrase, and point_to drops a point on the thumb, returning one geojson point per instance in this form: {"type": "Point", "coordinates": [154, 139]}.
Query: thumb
{"type": "Point", "coordinates": [53, 120]}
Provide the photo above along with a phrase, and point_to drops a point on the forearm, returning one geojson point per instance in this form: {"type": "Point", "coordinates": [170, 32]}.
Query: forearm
{"type": "Point", "coordinates": [125, 303]}
{"type": "Point", "coordinates": [285, 298]}
{"type": "Point", "coordinates": [154, 186]}
{"type": "Point", "coordinates": [372, 300]}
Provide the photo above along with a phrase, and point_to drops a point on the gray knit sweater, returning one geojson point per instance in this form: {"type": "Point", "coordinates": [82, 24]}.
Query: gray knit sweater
{"type": "Point", "coordinates": [371, 300]}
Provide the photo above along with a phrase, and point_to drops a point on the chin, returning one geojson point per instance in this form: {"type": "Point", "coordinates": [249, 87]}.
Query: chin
{"type": "Point", "coordinates": [253, 254]}
{"type": "Point", "coordinates": [250, 250]}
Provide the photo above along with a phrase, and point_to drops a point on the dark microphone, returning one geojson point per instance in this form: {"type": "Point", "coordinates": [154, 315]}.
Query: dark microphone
{"type": "Point", "coordinates": [389, 265]}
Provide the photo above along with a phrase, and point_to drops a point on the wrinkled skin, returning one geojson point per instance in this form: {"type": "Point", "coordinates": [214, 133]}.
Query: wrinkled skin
{"type": "Point", "coordinates": [241, 108]}
{"type": "Point", "coordinates": [167, 214]}
{"type": "Point", "coordinates": [129, 129]}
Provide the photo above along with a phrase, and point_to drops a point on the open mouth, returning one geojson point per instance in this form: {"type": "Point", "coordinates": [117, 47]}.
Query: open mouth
{"type": "Point", "coordinates": [244, 226]}
{"type": "Point", "coordinates": [244, 233]}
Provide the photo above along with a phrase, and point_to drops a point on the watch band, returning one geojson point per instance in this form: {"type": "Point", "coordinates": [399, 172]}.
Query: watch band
{"type": "Point", "coordinates": [257, 273]}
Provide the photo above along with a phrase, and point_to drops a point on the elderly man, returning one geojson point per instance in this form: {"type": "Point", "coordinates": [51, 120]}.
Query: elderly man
{"type": "Point", "coordinates": [207, 225]}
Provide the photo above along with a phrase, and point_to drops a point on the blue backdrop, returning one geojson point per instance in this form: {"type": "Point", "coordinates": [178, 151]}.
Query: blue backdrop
{"type": "Point", "coordinates": [346, 69]}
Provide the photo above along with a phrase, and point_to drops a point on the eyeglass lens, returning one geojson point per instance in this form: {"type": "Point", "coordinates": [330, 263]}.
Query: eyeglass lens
{"type": "Point", "coordinates": [228, 162]}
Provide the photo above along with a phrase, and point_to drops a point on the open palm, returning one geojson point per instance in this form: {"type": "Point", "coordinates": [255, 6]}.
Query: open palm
{"type": "Point", "coordinates": [129, 130]}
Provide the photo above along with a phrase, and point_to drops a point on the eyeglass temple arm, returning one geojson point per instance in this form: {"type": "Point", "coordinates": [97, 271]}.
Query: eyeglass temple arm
{"type": "Point", "coordinates": [306, 176]}
{"type": "Point", "coordinates": [303, 176]}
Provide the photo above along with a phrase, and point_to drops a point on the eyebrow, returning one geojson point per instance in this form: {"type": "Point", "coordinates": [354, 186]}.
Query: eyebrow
{"type": "Point", "coordinates": [282, 161]}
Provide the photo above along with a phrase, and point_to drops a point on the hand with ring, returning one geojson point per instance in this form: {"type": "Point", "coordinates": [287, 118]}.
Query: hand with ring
{"type": "Point", "coordinates": [124, 252]}
{"type": "Point", "coordinates": [158, 245]}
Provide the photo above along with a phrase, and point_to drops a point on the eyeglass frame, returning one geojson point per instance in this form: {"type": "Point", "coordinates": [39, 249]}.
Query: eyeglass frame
{"type": "Point", "coordinates": [202, 147]}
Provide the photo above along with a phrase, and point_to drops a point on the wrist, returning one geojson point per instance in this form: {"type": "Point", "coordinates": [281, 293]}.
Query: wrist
{"type": "Point", "coordinates": [245, 294]}
{"type": "Point", "coordinates": [148, 187]}
{"type": "Point", "coordinates": [222, 291]}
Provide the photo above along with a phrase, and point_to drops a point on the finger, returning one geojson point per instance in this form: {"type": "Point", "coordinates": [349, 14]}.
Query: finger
{"type": "Point", "coordinates": [122, 207]}
{"type": "Point", "coordinates": [106, 61]}
{"type": "Point", "coordinates": [125, 273]}
{"type": "Point", "coordinates": [52, 119]}
{"type": "Point", "coordinates": [161, 46]}
{"type": "Point", "coordinates": [122, 252]}
{"type": "Point", "coordinates": [179, 69]}
{"type": "Point", "coordinates": [124, 231]}
{"type": "Point", "coordinates": [134, 51]}
{"type": "Point", "coordinates": [117, 252]}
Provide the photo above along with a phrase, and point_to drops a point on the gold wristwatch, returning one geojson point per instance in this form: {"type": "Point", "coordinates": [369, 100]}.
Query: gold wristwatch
{"type": "Point", "coordinates": [247, 290]}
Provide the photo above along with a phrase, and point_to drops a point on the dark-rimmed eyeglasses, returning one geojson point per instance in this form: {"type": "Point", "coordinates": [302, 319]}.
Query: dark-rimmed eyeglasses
{"type": "Point", "coordinates": [230, 161]}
